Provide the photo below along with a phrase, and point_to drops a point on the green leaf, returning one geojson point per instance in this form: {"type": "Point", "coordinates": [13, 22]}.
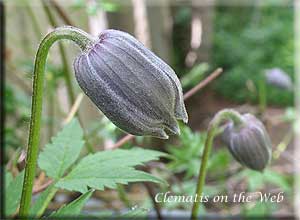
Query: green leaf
{"type": "Point", "coordinates": [8, 179]}
{"type": "Point", "coordinates": [255, 180]}
{"type": "Point", "coordinates": [219, 160]}
{"type": "Point", "coordinates": [13, 191]}
{"type": "Point", "coordinates": [74, 208]}
{"type": "Point", "coordinates": [194, 76]}
{"type": "Point", "coordinates": [107, 168]}
{"type": "Point", "coordinates": [277, 179]}
{"type": "Point", "coordinates": [260, 209]}
{"type": "Point", "coordinates": [38, 206]}
{"type": "Point", "coordinates": [65, 148]}
{"type": "Point", "coordinates": [186, 155]}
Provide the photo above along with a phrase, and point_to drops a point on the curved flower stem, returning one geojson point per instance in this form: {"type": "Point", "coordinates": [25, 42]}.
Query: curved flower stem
{"type": "Point", "coordinates": [221, 116]}
{"type": "Point", "coordinates": [84, 41]}
{"type": "Point", "coordinates": [66, 72]}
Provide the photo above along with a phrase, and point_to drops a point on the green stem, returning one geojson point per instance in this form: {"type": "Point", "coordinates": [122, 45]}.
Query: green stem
{"type": "Point", "coordinates": [84, 41]}
{"type": "Point", "coordinates": [224, 115]}
{"type": "Point", "coordinates": [38, 33]}
{"type": "Point", "coordinates": [46, 202]}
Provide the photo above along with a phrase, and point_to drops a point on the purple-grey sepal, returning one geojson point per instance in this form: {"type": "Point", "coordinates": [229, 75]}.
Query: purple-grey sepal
{"type": "Point", "coordinates": [249, 143]}
{"type": "Point", "coordinates": [133, 87]}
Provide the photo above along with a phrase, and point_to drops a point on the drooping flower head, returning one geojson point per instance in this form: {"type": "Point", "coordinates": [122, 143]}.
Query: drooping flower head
{"type": "Point", "coordinates": [133, 87]}
{"type": "Point", "coordinates": [249, 143]}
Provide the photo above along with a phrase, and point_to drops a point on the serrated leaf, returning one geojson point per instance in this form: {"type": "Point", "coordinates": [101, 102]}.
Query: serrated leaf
{"type": "Point", "coordinates": [65, 148]}
{"type": "Point", "coordinates": [74, 208]}
{"type": "Point", "coordinates": [13, 191]}
{"type": "Point", "coordinates": [107, 168]}
{"type": "Point", "coordinates": [257, 180]}
{"type": "Point", "coordinates": [186, 155]}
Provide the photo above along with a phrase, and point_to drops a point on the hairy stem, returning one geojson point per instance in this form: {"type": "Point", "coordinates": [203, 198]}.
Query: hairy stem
{"type": "Point", "coordinates": [221, 116]}
{"type": "Point", "coordinates": [84, 41]}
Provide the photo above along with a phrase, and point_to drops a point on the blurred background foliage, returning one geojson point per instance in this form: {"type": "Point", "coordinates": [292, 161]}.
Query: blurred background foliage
{"type": "Point", "coordinates": [244, 40]}
{"type": "Point", "coordinates": [247, 42]}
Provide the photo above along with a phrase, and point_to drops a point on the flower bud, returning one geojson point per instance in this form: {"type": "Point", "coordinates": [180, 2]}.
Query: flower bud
{"type": "Point", "coordinates": [133, 87]}
{"type": "Point", "coordinates": [279, 78]}
{"type": "Point", "coordinates": [249, 142]}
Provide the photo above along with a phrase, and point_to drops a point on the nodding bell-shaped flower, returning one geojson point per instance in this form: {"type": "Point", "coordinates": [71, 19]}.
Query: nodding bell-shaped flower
{"type": "Point", "coordinates": [133, 87]}
{"type": "Point", "coordinates": [249, 143]}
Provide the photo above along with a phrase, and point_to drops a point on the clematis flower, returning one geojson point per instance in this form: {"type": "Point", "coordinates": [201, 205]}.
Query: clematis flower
{"type": "Point", "coordinates": [249, 143]}
{"type": "Point", "coordinates": [133, 87]}
{"type": "Point", "coordinates": [277, 77]}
